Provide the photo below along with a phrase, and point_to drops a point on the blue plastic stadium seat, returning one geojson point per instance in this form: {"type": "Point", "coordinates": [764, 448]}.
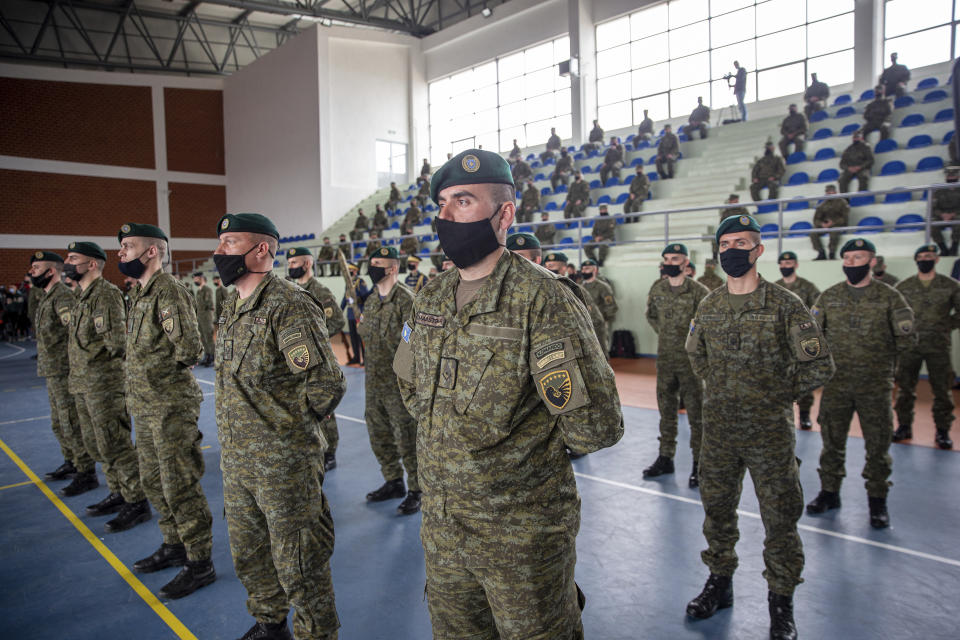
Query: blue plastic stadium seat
{"type": "Point", "coordinates": [845, 112]}
{"type": "Point", "coordinates": [821, 134]}
{"type": "Point", "coordinates": [539, 177]}
{"type": "Point", "coordinates": [551, 206]}
{"type": "Point", "coordinates": [531, 156]}
{"type": "Point", "coordinates": [629, 179]}
{"type": "Point", "coordinates": [535, 165]}
{"type": "Point", "coordinates": [862, 201]}
{"type": "Point", "coordinates": [425, 250]}
{"type": "Point", "coordinates": [586, 169]}
{"type": "Point", "coordinates": [930, 163]}
{"type": "Point", "coordinates": [566, 240]}
{"type": "Point", "coordinates": [357, 257]}
{"type": "Point", "coordinates": [653, 176]}
{"type": "Point", "coordinates": [593, 154]}
{"type": "Point", "coordinates": [897, 196]}
{"type": "Point", "coordinates": [546, 191]}
{"type": "Point", "coordinates": [589, 223]}
{"type": "Point", "coordinates": [395, 224]}
{"type": "Point", "coordinates": [427, 220]}
{"type": "Point", "coordinates": [311, 237]}
{"type": "Point", "coordinates": [549, 161]}
{"type": "Point", "coordinates": [630, 137]}
{"type": "Point", "coordinates": [927, 83]}
{"type": "Point", "coordinates": [825, 154]}
{"type": "Point", "coordinates": [360, 245]}
{"type": "Point", "coordinates": [797, 204]}
{"type": "Point", "coordinates": [947, 137]}
{"type": "Point", "coordinates": [798, 228]}
{"type": "Point", "coordinates": [796, 157]}
{"type": "Point", "coordinates": [571, 149]}
{"type": "Point", "coordinates": [595, 184]}
{"type": "Point", "coordinates": [908, 218]}
{"type": "Point", "coordinates": [885, 145]}
{"type": "Point", "coordinates": [870, 224]}
{"type": "Point", "coordinates": [944, 115]}
{"type": "Point", "coordinates": [579, 156]}
{"type": "Point", "coordinates": [621, 198]}
{"type": "Point", "coordinates": [818, 116]}
{"type": "Point", "coordinates": [561, 188]}
{"type": "Point", "coordinates": [643, 144]}
{"type": "Point", "coordinates": [525, 229]}
{"type": "Point", "coordinates": [683, 137]}
{"type": "Point", "coordinates": [935, 96]}
{"type": "Point", "coordinates": [903, 101]}
{"type": "Point", "coordinates": [653, 159]}
{"type": "Point", "coordinates": [800, 177]}
{"type": "Point", "coordinates": [769, 230]}
{"type": "Point", "coordinates": [766, 208]}
{"type": "Point", "coordinates": [842, 100]}
{"type": "Point", "coordinates": [611, 182]}
{"type": "Point", "coordinates": [892, 168]}
{"type": "Point", "coordinates": [866, 95]}
{"type": "Point", "coordinates": [916, 142]}
{"type": "Point", "coordinates": [604, 200]}
{"type": "Point", "coordinates": [636, 161]}
{"type": "Point", "coordinates": [828, 175]}
{"type": "Point", "coordinates": [849, 129]}
{"type": "Point", "coordinates": [913, 120]}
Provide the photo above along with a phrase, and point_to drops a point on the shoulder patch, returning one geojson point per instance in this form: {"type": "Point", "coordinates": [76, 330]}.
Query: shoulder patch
{"type": "Point", "coordinates": [556, 388]}
{"type": "Point", "coordinates": [299, 357]}
{"type": "Point", "coordinates": [289, 335]}
{"type": "Point", "coordinates": [405, 334]}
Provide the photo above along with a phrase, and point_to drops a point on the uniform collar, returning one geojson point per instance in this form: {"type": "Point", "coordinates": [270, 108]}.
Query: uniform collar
{"type": "Point", "coordinates": [254, 298]}
{"type": "Point", "coordinates": [146, 287]}
{"type": "Point", "coordinates": [756, 299]}
{"type": "Point", "coordinates": [94, 286]}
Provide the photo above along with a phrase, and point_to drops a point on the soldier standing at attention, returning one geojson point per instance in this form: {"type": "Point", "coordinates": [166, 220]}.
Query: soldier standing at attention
{"type": "Point", "coordinates": [877, 115]}
{"type": "Point", "coordinates": [833, 212]}
{"type": "Point", "coordinates": [276, 380]}
{"type": "Point", "coordinates": [546, 231]}
{"type": "Point", "coordinates": [639, 189]}
{"type": "Point", "coordinates": [163, 342]}
{"type": "Point", "coordinates": [855, 163]}
{"type": "Point", "coordinates": [710, 279]}
{"type": "Point", "coordinates": [220, 293]}
{"type": "Point", "coordinates": [880, 273]}
{"type": "Point", "coordinates": [96, 350]}
{"type": "Point", "coordinates": [767, 173]}
{"type": "Point", "coordinates": [51, 329]}
{"type": "Point", "coordinates": [300, 270]}
{"type": "Point", "coordinates": [499, 362]}
{"type": "Point", "coordinates": [808, 294]}
{"type": "Point", "coordinates": [531, 201]}
{"type": "Point", "coordinates": [206, 316]}
{"type": "Point", "coordinates": [393, 432]}
{"type": "Point", "coordinates": [671, 305]}
{"type": "Point", "coordinates": [793, 130]}
{"type": "Point", "coordinates": [414, 280]}
{"type": "Point", "coordinates": [668, 150]}
{"type": "Point", "coordinates": [577, 198]}
{"type": "Point", "coordinates": [757, 349]}
{"type": "Point", "coordinates": [867, 324]}
{"type": "Point", "coordinates": [604, 231]}
{"type": "Point", "coordinates": [602, 296]}
{"type": "Point", "coordinates": [935, 299]}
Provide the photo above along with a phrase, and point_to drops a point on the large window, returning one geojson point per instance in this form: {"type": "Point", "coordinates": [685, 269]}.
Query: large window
{"type": "Point", "coordinates": [921, 37]}
{"type": "Point", "coordinates": [663, 57]}
{"type": "Point", "coordinates": [518, 96]}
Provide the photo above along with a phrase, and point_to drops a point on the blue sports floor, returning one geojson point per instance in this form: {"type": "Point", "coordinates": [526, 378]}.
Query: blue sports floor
{"type": "Point", "coordinates": [62, 577]}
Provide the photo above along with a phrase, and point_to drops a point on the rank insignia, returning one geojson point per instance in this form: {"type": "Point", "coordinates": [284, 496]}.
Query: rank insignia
{"type": "Point", "coordinates": [471, 163]}
{"type": "Point", "coordinates": [557, 388]}
{"type": "Point", "coordinates": [811, 347]}
{"type": "Point", "coordinates": [744, 220]}
{"type": "Point", "coordinates": [299, 357]}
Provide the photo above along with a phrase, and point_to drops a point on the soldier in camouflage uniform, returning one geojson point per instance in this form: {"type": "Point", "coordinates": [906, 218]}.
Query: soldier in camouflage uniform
{"type": "Point", "coordinates": [498, 361]}
{"type": "Point", "coordinates": [833, 212]}
{"type": "Point", "coordinates": [856, 161]}
{"type": "Point", "coordinates": [394, 198]}
{"type": "Point", "coordinates": [767, 173]}
{"type": "Point", "coordinates": [561, 173]}
{"type": "Point", "coordinates": [276, 380]}
{"type": "Point", "coordinates": [219, 295]}
{"type": "Point", "coordinates": [380, 222]}
{"type": "Point", "coordinates": [877, 115]}
{"type": "Point", "coordinates": [602, 294]}
{"type": "Point", "coordinates": [359, 226]}
{"type": "Point", "coordinates": [668, 150]}
{"type": "Point", "coordinates": [935, 299]}
{"type": "Point", "coordinates": [51, 330]}
{"type": "Point", "coordinates": [530, 203]}
{"type": "Point", "coordinates": [300, 270]}
{"type": "Point", "coordinates": [557, 262]}
{"type": "Point", "coordinates": [793, 130]}
{"type": "Point", "coordinates": [867, 323]}
{"type": "Point", "coordinates": [612, 161]}
{"type": "Point", "coordinates": [808, 294]}
{"type": "Point", "coordinates": [577, 198]}
{"type": "Point", "coordinates": [373, 246]}
{"type": "Point", "coordinates": [671, 304]}
{"type": "Point", "coordinates": [604, 231]}
{"type": "Point", "coordinates": [710, 279]}
{"type": "Point", "coordinates": [880, 272]}
{"type": "Point", "coordinates": [206, 316]}
{"type": "Point", "coordinates": [414, 280]}
{"type": "Point", "coordinates": [393, 432]}
{"type": "Point", "coordinates": [946, 208]}
{"type": "Point", "coordinates": [96, 350]}
{"type": "Point", "coordinates": [327, 253]}
{"type": "Point", "coordinates": [521, 173]}
{"type": "Point", "coordinates": [546, 232]}
{"type": "Point", "coordinates": [639, 190]}
{"type": "Point", "coordinates": [758, 349]}
{"type": "Point", "coordinates": [726, 213]}
{"type": "Point", "coordinates": [163, 342]}
{"type": "Point", "coordinates": [410, 245]}
{"type": "Point", "coordinates": [412, 218]}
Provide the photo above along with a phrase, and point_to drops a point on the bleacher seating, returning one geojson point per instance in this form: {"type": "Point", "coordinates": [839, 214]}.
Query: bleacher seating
{"type": "Point", "coordinates": [842, 100]}
{"type": "Point", "coordinates": [892, 168]}
{"type": "Point", "coordinates": [821, 134]}
{"type": "Point", "coordinates": [944, 115]}
{"type": "Point", "coordinates": [930, 163]}
{"type": "Point", "coordinates": [912, 120]}
{"type": "Point", "coordinates": [918, 141]}
{"type": "Point", "coordinates": [866, 95]}
{"type": "Point", "coordinates": [886, 145]}
{"type": "Point", "coordinates": [935, 96]}
{"type": "Point", "coordinates": [927, 83]}
{"type": "Point", "coordinates": [825, 154]}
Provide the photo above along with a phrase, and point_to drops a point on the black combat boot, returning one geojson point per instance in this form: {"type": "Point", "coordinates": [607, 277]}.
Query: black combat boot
{"type": "Point", "coordinates": [694, 480]}
{"type": "Point", "coordinates": [824, 501]}
{"type": "Point", "coordinates": [64, 471]}
{"type": "Point", "coordinates": [903, 432]}
{"type": "Point", "coordinates": [943, 439]}
{"type": "Point", "coordinates": [389, 490]}
{"type": "Point", "coordinates": [879, 517]}
{"type": "Point", "coordinates": [821, 255]}
{"type": "Point", "coordinates": [662, 465]}
{"type": "Point", "coordinates": [944, 249]}
{"type": "Point", "coordinates": [410, 504]}
{"type": "Point", "coordinates": [833, 255]}
{"type": "Point", "coordinates": [111, 504]}
{"type": "Point", "coordinates": [573, 455]}
{"type": "Point", "coordinates": [329, 461]}
{"type": "Point", "coordinates": [82, 482]}
{"type": "Point", "coordinates": [716, 594]}
{"type": "Point", "coordinates": [268, 631]}
{"type": "Point", "coordinates": [168, 555]}
{"type": "Point", "coordinates": [193, 576]}
{"type": "Point", "coordinates": [131, 514]}
{"type": "Point", "coordinates": [805, 423]}
{"type": "Point", "coordinates": [782, 626]}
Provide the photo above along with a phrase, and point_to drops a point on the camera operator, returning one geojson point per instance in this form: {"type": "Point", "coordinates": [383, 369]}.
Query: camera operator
{"type": "Point", "coordinates": [739, 87]}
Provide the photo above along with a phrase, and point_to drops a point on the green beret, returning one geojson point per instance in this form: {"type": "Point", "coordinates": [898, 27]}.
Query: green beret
{"type": "Point", "coordinates": [298, 251]}
{"type": "Point", "coordinates": [141, 231]}
{"type": "Point", "coordinates": [787, 255]}
{"type": "Point", "coordinates": [522, 241]}
{"type": "Point", "coordinates": [589, 262]}
{"type": "Point", "coordinates": [675, 248]}
{"type": "Point", "coordinates": [386, 252]}
{"type": "Point", "coordinates": [198, 274]}
{"type": "Point", "coordinates": [736, 224]}
{"type": "Point", "coordinates": [249, 223]}
{"type": "Point", "coordinates": [473, 166]}
{"type": "Point", "coordinates": [927, 248]}
{"type": "Point", "coordinates": [556, 256]}
{"type": "Point", "coordinates": [45, 256]}
{"type": "Point", "coordinates": [89, 249]}
{"type": "Point", "coordinates": [858, 244]}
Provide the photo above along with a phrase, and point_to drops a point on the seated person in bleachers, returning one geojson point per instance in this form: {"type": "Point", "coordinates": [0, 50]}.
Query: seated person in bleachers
{"type": "Point", "coordinates": [515, 153]}
{"type": "Point", "coordinates": [946, 207]}
{"type": "Point", "coordinates": [639, 189]}
{"type": "Point", "coordinates": [530, 203]}
{"type": "Point", "coordinates": [856, 161]}
{"type": "Point", "coordinates": [793, 130]}
{"type": "Point", "coordinates": [345, 248]}
{"type": "Point", "coordinates": [815, 96]}
{"type": "Point", "coordinates": [361, 225]}
{"type": "Point", "coordinates": [409, 246]}
{"type": "Point", "coordinates": [595, 140]}
{"type": "Point", "coordinates": [577, 198]}
{"type": "Point", "coordinates": [894, 78]}
{"type": "Point", "coordinates": [547, 231]}
{"type": "Point", "coordinates": [877, 115]}
{"type": "Point", "coordinates": [767, 173]}
{"type": "Point", "coordinates": [645, 132]}
{"type": "Point", "coordinates": [521, 173]}
{"type": "Point", "coordinates": [603, 231]}
{"type": "Point", "coordinates": [413, 217]}
{"type": "Point", "coordinates": [394, 196]}
{"type": "Point", "coordinates": [380, 221]}
{"type": "Point", "coordinates": [424, 172]}
{"type": "Point", "coordinates": [561, 173]}
{"type": "Point", "coordinates": [553, 146]}
{"type": "Point", "coordinates": [424, 194]}
{"type": "Point", "coordinates": [327, 253]}
{"type": "Point", "coordinates": [612, 161]}
{"type": "Point", "coordinates": [726, 212]}
{"type": "Point", "coordinates": [667, 152]}
{"type": "Point", "coordinates": [710, 279]}
{"type": "Point", "coordinates": [830, 213]}
{"type": "Point", "coordinates": [373, 245]}
{"type": "Point", "coordinates": [698, 120]}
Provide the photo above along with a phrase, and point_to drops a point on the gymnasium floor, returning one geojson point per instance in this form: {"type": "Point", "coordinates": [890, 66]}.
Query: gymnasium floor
{"type": "Point", "coordinates": [62, 577]}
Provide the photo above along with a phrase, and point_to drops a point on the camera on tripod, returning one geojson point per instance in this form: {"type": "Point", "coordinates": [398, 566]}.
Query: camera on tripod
{"type": "Point", "coordinates": [731, 80]}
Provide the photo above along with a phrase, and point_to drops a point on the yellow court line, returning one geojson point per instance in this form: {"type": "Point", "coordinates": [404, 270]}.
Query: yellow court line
{"type": "Point", "coordinates": [19, 484]}
{"type": "Point", "coordinates": [158, 607]}
{"type": "Point", "coordinates": [207, 446]}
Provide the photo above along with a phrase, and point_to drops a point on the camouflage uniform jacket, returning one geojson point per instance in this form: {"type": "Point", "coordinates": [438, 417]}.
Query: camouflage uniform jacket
{"type": "Point", "coordinates": [394, 195]}
{"type": "Point", "coordinates": [604, 228]}
{"type": "Point", "coordinates": [835, 211]}
{"type": "Point", "coordinates": [361, 222]}
{"type": "Point", "coordinates": [946, 201]}
{"type": "Point", "coordinates": [97, 339]}
{"type": "Point", "coordinates": [410, 245]}
{"type": "Point", "coordinates": [531, 199]}
{"type": "Point", "coordinates": [500, 388]}
{"type": "Point", "coordinates": [276, 380]}
{"type": "Point", "coordinates": [669, 312]}
{"type": "Point", "coordinates": [381, 327]}
{"type": "Point", "coordinates": [596, 318]}
{"type": "Point", "coordinates": [413, 217]}
{"type": "Point", "coordinates": [219, 297]}
{"type": "Point", "coordinates": [163, 342]}
{"type": "Point", "coordinates": [669, 145]}
{"type": "Point", "coordinates": [710, 280]}
{"type": "Point", "coordinates": [545, 233]}
{"type": "Point", "coordinates": [936, 308]}
{"type": "Point", "coordinates": [769, 166]}
{"type": "Point", "coordinates": [602, 294]}
{"type": "Point", "coordinates": [332, 312]}
{"type": "Point", "coordinates": [794, 124]}
{"type": "Point", "coordinates": [865, 333]}
{"type": "Point", "coordinates": [640, 186]}
{"type": "Point", "coordinates": [380, 220]}
{"type": "Point", "coordinates": [857, 154]}
{"type": "Point", "coordinates": [733, 211]}
{"type": "Point", "coordinates": [564, 164]}
{"type": "Point", "coordinates": [877, 111]}
{"type": "Point", "coordinates": [327, 252]}
{"type": "Point", "coordinates": [579, 191]}
{"type": "Point", "coordinates": [52, 330]}
{"type": "Point", "coordinates": [887, 278]}
{"type": "Point", "coordinates": [805, 290]}
{"type": "Point", "coordinates": [345, 249]}
{"type": "Point", "coordinates": [614, 154]}
{"type": "Point", "coordinates": [206, 307]}
{"type": "Point", "coordinates": [700, 113]}
{"type": "Point", "coordinates": [521, 170]}
{"type": "Point", "coordinates": [33, 302]}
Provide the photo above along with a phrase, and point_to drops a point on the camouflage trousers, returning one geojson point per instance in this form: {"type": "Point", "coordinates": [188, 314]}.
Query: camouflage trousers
{"type": "Point", "coordinates": [633, 206]}
{"type": "Point", "coordinates": [281, 540]}
{"type": "Point", "coordinates": [846, 177]}
{"type": "Point", "coordinates": [571, 210]}
{"type": "Point", "coordinates": [538, 601]}
{"type": "Point", "coordinates": [393, 433]}
{"type": "Point", "coordinates": [817, 243]}
{"type": "Point", "coordinates": [676, 380]}
{"type": "Point", "coordinates": [937, 233]}
{"type": "Point", "coordinates": [840, 399]}
{"type": "Point", "coordinates": [106, 435]}
{"type": "Point", "coordinates": [328, 426]}
{"type": "Point", "coordinates": [804, 402]}
{"type": "Point", "coordinates": [171, 465]}
{"type": "Point", "coordinates": [940, 371]}
{"type": "Point", "coordinates": [66, 424]}
{"type": "Point", "coordinates": [775, 474]}
{"type": "Point", "coordinates": [592, 249]}
{"type": "Point", "coordinates": [206, 333]}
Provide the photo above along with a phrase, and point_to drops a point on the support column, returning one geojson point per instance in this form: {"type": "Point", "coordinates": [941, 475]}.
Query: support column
{"type": "Point", "coordinates": [583, 86]}
{"type": "Point", "coordinates": [868, 59]}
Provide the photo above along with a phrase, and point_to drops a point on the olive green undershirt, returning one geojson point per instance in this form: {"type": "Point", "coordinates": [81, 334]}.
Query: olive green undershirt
{"type": "Point", "coordinates": [467, 290]}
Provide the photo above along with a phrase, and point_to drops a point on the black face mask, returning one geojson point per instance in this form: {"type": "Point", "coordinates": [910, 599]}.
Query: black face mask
{"type": "Point", "coordinates": [467, 243]}
{"type": "Point", "coordinates": [376, 273]}
{"type": "Point", "coordinates": [736, 262]}
{"type": "Point", "coordinates": [70, 271]}
{"type": "Point", "coordinates": [855, 275]}
{"type": "Point", "coordinates": [555, 272]}
{"type": "Point", "coordinates": [925, 266]}
{"type": "Point", "coordinates": [670, 270]}
{"type": "Point", "coordinates": [42, 281]}
{"type": "Point", "coordinates": [232, 267]}
{"type": "Point", "coordinates": [768, 152]}
{"type": "Point", "coordinates": [296, 272]}
{"type": "Point", "coordinates": [134, 268]}
{"type": "Point", "coordinates": [879, 272]}
{"type": "Point", "coordinates": [786, 272]}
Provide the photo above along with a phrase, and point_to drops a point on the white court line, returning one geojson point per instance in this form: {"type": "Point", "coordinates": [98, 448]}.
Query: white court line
{"type": "Point", "coordinates": [205, 381]}
{"type": "Point", "coordinates": [343, 417]}
{"type": "Point", "coordinates": [25, 420]}
{"type": "Point", "coordinates": [12, 346]}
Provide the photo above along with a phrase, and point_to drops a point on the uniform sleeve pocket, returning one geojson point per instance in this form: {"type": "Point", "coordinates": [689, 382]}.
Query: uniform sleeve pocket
{"type": "Point", "coordinates": [556, 374]}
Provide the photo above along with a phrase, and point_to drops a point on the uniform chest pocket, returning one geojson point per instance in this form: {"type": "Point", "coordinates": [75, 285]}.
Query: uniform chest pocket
{"type": "Point", "coordinates": [247, 352]}
{"type": "Point", "coordinates": [760, 339]}
{"type": "Point", "coordinates": [487, 388]}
